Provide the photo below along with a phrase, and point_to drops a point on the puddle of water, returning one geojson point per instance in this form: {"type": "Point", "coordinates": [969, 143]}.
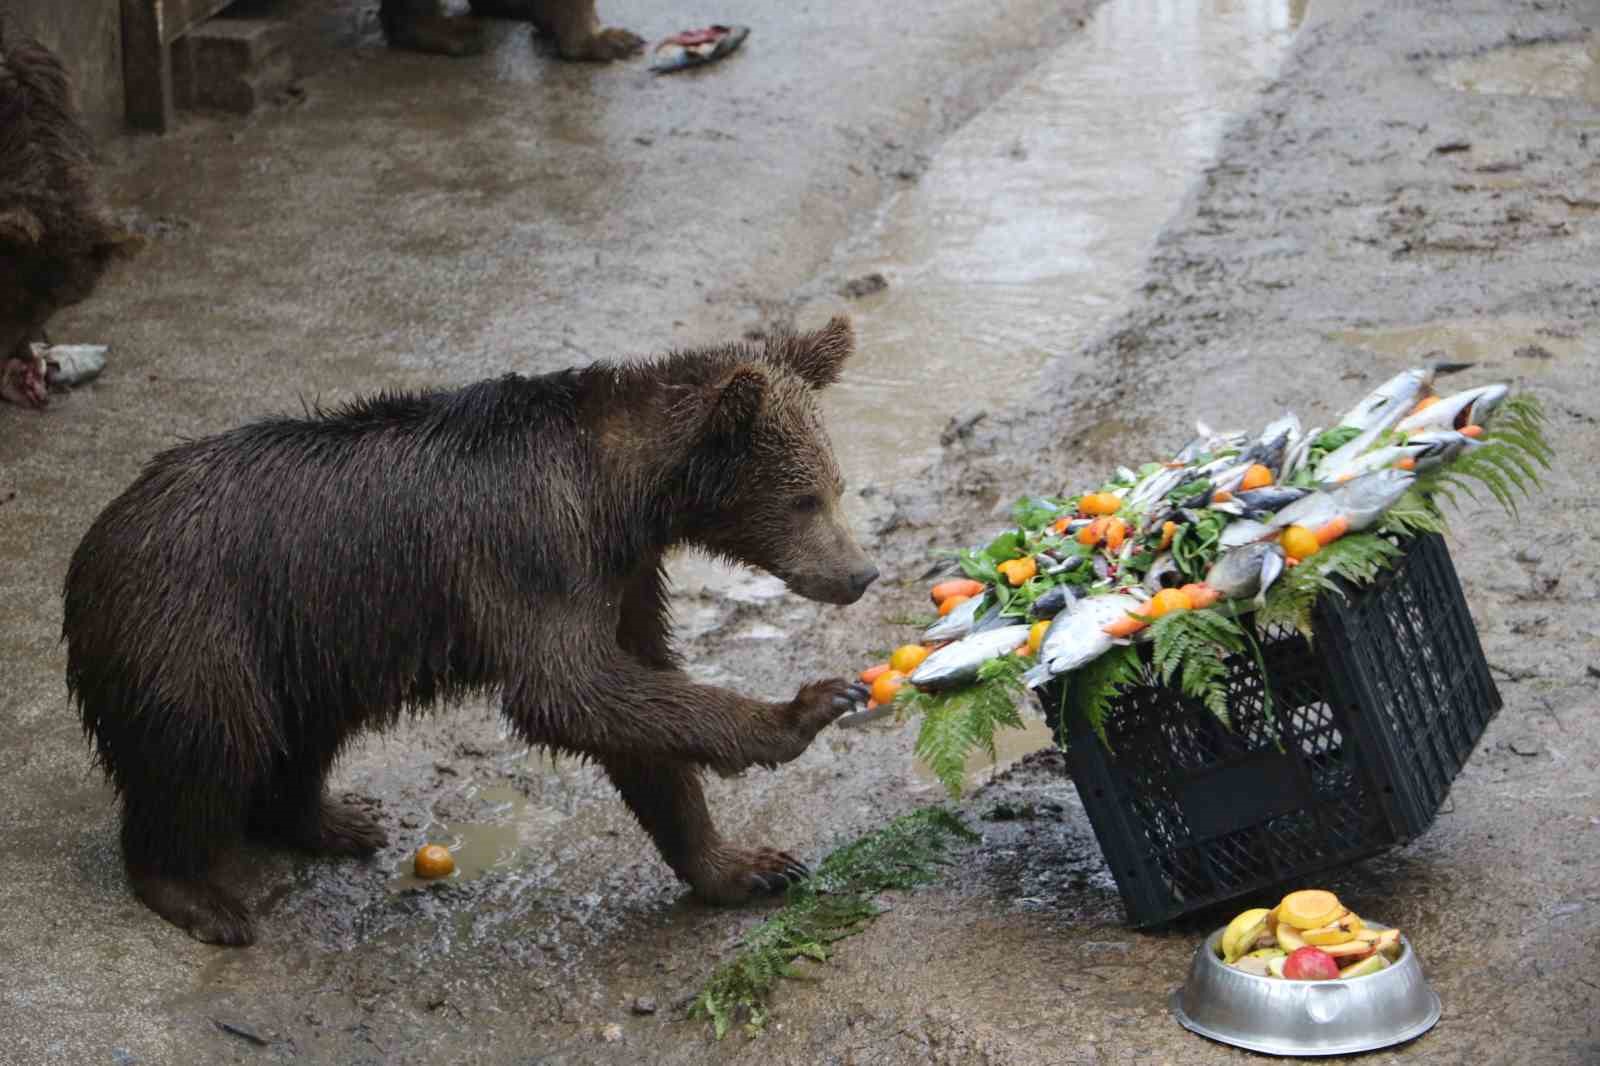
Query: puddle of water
{"type": "Point", "coordinates": [482, 845]}
{"type": "Point", "coordinates": [1557, 69]}
{"type": "Point", "coordinates": [1028, 232]}
{"type": "Point", "coordinates": [1527, 345]}
{"type": "Point", "coordinates": [1010, 745]}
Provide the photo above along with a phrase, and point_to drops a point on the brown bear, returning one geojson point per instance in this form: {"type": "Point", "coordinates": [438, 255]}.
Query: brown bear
{"type": "Point", "coordinates": [256, 599]}
{"type": "Point", "coordinates": [572, 24]}
{"type": "Point", "coordinates": [56, 238]}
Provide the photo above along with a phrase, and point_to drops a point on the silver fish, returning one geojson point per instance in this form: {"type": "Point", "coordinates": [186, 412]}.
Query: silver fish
{"type": "Point", "coordinates": [1270, 447]}
{"type": "Point", "coordinates": [1471, 407]}
{"type": "Point", "coordinates": [1248, 571]}
{"type": "Point", "coordinates": [1256, 502]}
{"type": "Point", "coordinates": [1389, 402]}
{"type": "Point", "coordinates": [958, 623]}
{"type": "Point", "coordinates": [1077, 637]}
{"type": "Point", "coordinates": [1298, 453]}
{"type": "Point", "coordinates": [1337, 463]}
{"type": "Point", "coordinates": [1312, 511]}
{"type": "Point", "coordinates": [1244, 531]}
{"type": "Point", "coordinates": [956, 663]}
{"type": "Point", "coordinates": [1438, 446]}
{"type": "Point", "coordinates": [1157, 485]}
{"type": "Point", "coordinates": [1363, 500]}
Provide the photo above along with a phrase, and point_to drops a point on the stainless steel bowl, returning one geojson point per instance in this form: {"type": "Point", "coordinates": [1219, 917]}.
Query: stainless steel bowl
{"type": "Point", "coordinates": [1280, 1017]}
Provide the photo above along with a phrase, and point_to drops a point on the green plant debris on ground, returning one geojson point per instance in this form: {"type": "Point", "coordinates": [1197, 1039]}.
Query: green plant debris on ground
{"type": "Point", "coordinates": [835, 902]}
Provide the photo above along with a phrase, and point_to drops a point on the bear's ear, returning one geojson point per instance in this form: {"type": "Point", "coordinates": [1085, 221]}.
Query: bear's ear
{"type": "Point", "coordinates": [817, 357]}
{"type": "Point", "coordinates": [738, 402]}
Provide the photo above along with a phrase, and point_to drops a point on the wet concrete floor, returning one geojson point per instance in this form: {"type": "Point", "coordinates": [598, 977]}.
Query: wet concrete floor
{"type": "Point", "coordinates": [419, 221]}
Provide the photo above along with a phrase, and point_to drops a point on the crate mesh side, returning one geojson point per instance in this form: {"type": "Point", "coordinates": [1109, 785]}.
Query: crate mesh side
{"type": "Point", "coordinates": [1415, 652]}
{"type": "Point", "coordinates": [1162, 742]}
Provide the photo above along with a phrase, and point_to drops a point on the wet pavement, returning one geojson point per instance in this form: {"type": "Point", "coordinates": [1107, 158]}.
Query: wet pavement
{"type": "Point", "coordinates": [1395, 187]}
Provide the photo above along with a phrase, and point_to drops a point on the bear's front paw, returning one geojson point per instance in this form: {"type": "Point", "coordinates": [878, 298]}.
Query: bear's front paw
{"type": "Point", "coordinates": [813, 707]}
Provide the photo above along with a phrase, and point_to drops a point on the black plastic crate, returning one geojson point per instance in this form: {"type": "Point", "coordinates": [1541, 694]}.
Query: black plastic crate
{"type": "Point", "coordinates": [1370, 724]}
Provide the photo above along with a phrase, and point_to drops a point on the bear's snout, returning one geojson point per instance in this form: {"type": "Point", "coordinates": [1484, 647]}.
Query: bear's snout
{"type": "Point", "coordinates": [861, 579]}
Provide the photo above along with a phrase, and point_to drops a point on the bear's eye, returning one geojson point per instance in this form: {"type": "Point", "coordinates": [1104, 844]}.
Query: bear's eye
{"type": "Point", "coordinates": [808, 503]}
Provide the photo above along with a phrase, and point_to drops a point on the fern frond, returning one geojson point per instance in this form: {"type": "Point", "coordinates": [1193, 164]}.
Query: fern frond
{"type": "Point", "coordinates": [957, 721]}
{"type": "Point", "coordinates": [944, 739]}
{"type": "Point", "coordinates": [1413, 514]}
{"type": "Point", "coordinates": [1091, 688]}
{"type": "Point", "coordinates": [1194, 645]}
{"type": "Point", "coordinates": [1357, 558]}
{"type": "Point", "coordinates": [835, 903]}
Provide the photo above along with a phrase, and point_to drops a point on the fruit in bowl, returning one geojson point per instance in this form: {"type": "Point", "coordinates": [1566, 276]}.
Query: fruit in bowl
{"type": "Point", "coordinates": [1308, 936]}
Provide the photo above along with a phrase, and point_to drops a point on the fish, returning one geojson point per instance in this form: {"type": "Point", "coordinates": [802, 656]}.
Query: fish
{"type": "Point", "coordinates": [1078, 637]}
{"type": "Point", "coordinates": [1438, 446]}
{"type": "Point", "coordinates": [1067, 565]}
{"type": "Point", "coordinates": [1241, 573]}
{"type": "Point", "coordinates": [1389, 402]}
{"type": "Point", "coordinates": [1312, 510]}
{"type": "Point", "coordinates": [1470, 407]}
{"type": "Point", "coordinates": [957, 663]}
{"type": "Point", "coordinates": [857, 719]}
{"type": "Point", "coordinates": [1254, 503]}
{"type": "Point", "coordinates": [955, 625]}
{"type": "Point", "coordinates": [1163, 573]}
{"type": "Point", "coordinates": [1052, 603]}
{"type": "Point", "coordinates": [1269, 448]}
{"type": "Point", "coordinates": [1363, 500]}
{"type": "Point", "coordinates": [1205, 443]}
{"type": "Point", "coordinates": [1242, 532]}
{"type": "Point", "coordinates": [1298, 453]}
{"type": "Point", "coordinates": [693, 48]}
{"type": "Point", "coordinates": [1337, 463]}
{"type": "Point", "coordinates": [1156, 485]}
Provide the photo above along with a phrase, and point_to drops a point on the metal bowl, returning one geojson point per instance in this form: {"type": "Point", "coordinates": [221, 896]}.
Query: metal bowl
{"type": "Point", "coordinates": [1280, 1017]}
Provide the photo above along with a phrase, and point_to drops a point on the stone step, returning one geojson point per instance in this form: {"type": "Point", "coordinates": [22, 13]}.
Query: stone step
{"type": "Point", "coordinates": [232, 64]}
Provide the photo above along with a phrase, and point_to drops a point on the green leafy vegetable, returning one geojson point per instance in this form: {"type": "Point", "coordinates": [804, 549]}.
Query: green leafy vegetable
{"type": "Point", "coordinates": [833, 904]}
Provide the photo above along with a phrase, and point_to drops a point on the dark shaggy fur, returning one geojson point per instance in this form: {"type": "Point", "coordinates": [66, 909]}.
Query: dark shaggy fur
{"type": "Point", "coordinates": [55, 238]}
{"type": "Point", "coordinates": [256, 599]}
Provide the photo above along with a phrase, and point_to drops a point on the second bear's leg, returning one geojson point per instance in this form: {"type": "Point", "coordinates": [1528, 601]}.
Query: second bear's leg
{"type": "Point", "coordinates": [416, 25]}
{"type": "Point", "coordinates": [669, 803]}
{"type": "Point", "coordinates": [573, 23]}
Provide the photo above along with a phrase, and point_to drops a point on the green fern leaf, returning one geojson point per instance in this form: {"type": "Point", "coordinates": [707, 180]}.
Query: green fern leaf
{"type": "Point", "coordinates": [1092, 688]}
{"type": "Point", "coordinates": [943, 740]}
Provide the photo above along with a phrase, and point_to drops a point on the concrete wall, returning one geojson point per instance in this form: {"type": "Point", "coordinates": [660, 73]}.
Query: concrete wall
{"type": "Point", "coordinates": [87, 35]}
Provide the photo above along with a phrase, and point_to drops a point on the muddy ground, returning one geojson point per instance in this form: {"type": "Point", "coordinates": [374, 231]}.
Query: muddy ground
{"type": "Point", "coordinates": [415, 221]}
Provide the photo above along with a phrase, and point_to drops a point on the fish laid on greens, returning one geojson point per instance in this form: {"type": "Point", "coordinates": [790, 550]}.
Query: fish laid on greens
{"type": "Point", "coordinates": [1219, 527]}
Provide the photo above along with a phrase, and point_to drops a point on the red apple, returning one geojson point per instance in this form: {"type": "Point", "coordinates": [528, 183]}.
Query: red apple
{"type": "Point", "coordinates": [1311, 964]}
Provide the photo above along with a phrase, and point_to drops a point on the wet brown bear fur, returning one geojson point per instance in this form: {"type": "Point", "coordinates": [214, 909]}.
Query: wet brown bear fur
{"type": "Point", "coordinates": [256, 599]}
{"type": "Point", "coordinates": [573, 25]}
{"type": "Point", "coordinates": [55, 237]}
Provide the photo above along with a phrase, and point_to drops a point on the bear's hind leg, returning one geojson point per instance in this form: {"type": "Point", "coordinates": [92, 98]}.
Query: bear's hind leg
{"type": "Point", "coordinates": [169, 845]}
{"type": "Point", "coordinates": [669, 803]}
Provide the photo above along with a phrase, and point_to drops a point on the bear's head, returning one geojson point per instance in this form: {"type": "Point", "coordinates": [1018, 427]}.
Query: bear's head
{"type": "Point", "coordinates": [769, 487]}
